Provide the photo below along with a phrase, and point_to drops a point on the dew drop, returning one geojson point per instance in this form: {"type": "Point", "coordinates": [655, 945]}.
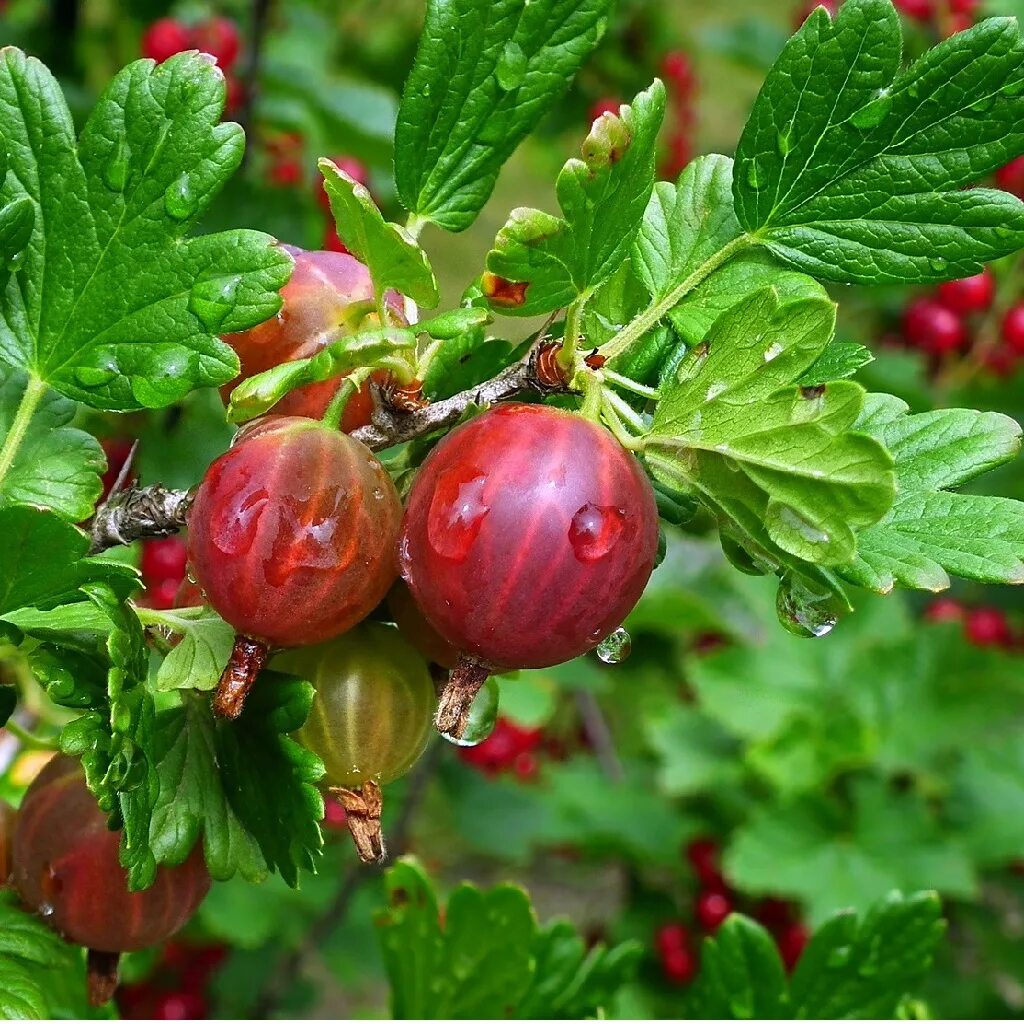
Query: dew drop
{"type": "Point", "coordinates": [93, 376]}
{"type": "Point", "coordinates": [212, 301]}
{"type": "Point", "coordinates": [483, 714]}
{"type": "Point", "coordinates": [234, 530]}
{"type": "Point", "coordinates": [784, 140]}
{"type": "Point", "coordinates": [595, 530]}
{"type": "Point", "coordinates": [872, 114]}
{"type": "Point", "coordinates": [773, 350]}
{"type": "Point", "coordinates": [179, 202]}
{"type": "Point", "coordinates": [46, 909]}
{"type": "Point", "coordinates": [938, 264]}
{"type": "Point", "coordinates": [615, 648]}
{"type": "Point", "coordinates": [755, 179]}
{"type": "Point", "coordinates": [457, 512]}
{"type": "Point", "coordinates": [511, 68]}
{"type": "Point", "coordinates": [839, 957]}
{"type": "Point", "coordinates": [115, 174]}
{"type": "Point", "coordinates": [16, 262]}
{"type": "Point", "coordinates": [803, 612]}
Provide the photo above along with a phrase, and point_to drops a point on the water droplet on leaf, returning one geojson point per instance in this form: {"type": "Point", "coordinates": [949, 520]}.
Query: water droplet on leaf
{"type": "Point", "coordinates": [212, 301]}
{"type": "Point", "coordinates": [93, 376]}
{"type": "Point", "coordinates": [872, 114]}
{"type": "Point", "coordinates": [615, 648]}
{"type": "Point", "coordinates": [179, 201]}
{"type": "Point", "coordinates": [803, 612]}
{"type": "Point", "coordinates": [511, 69]}
{"type": "Point", "coordinates": [115, 174]}
{"type": "Point", "coordinates": [938, 264]}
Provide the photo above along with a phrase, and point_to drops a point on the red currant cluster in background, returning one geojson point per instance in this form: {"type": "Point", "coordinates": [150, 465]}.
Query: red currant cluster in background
{"type": "Point", "coordinates": [216, 36]}
{"type": "Point", "coordinates": [946, 16]}
{"type": "Point", "coordinates": [163, 570]}
{"type": "Point", "coordinates": [509, 748]}
{"type": "Point", "coordinates": [177, 988]}
{"type": "Point", "coordinates": [983, 625]}
{"type": "Point", "coordinates": [676, 942]}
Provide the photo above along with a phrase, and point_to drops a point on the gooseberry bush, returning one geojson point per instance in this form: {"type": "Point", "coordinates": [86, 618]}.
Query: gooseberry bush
{"type": "Point", "coordinates": [413, 509]}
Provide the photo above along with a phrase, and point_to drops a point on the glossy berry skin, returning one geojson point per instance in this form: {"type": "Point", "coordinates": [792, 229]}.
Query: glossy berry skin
{"type": "Point", "coordinates": [987, 627]}
{"type": "Point", "coordinates": [164, 38]}
{"type": "Point", "coordinates": [292, 532]}
{"type": "Point", "coordinates": [1013, 330]}
{"type": "Point", "coordinates": [933, 328]}
{"type": "Point", "coordinates": [328, 291]}
{"type": "Point", "coordinates": [712, 909]}
{"type": "Point", "coordinates": [218, 37]}
{"type": "Point", "coordinates": [416, 630]}
{"type": "Point", "coordinates": [374, 704]}
{"type": "Point", "coordinates": [66, 867]}
{"type": "Point", "coordinates": [529, 535]}
{"type": "Point", "coordinates": [969, 294]}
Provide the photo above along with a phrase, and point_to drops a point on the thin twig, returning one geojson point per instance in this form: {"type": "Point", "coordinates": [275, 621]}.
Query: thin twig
{"type": "Point", "coordinates": [334, 914]}
{"type": "Point", "coordinates": [595, 725]}
{"type": "Point", "coordinates": [258, 26]}
{"type": "Point", "coordinates": [139, 512]}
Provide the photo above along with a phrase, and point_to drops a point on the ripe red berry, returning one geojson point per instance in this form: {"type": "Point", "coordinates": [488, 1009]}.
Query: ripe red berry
{"type": "Point", "coordinates": [117, 451]}
{"type": "Point", "coordinates": [328, 296]}
{"type": "Point", "coordinates": [354, 168]}
{"type": "Point", "coordinates": [292, 532]}
{"type": "Point", "coordinates": [677, 70]}
{"type": "Point", "coordinates": [1013, 330]}
{"type": "Point", "coordinates": [506, 743]}
{"type": "Point", "coordinates": [712, 909]}
{"type": "Point", "coordinates": [791, 942]}
{"type": "Point", "coordinates": [944, 609]}
{"type": "Point", "coordinates": [181, 1006]}
{"type": "Point", "coordinates": [335, 816]}
{"type": "Point", "coordinates": [188, 595]}
{"type": "Point", "coordinates": [919, 10]}
{"type": "Point", "coordinates": [234, 95]}
{"type": "Point", "coordinates": [529, 535]}
{"type": "Point", "coordinates": [969, 294]}
{"type": "Point", "coordinates": [332, 242]}
{"type": "Point", "coordinates": [774, 913]}
{"type": "Point", "coordinates": [164, 38]}
{"type": "Point", "coordinates": [675, 951]}
{"type": "Point", "coordinates": [1010, 177]}
{"type": "Point", "coordinates": [219, 38]}
{"type": "Point", "coordinates": [66, 868]}
{"type": "Point", "coordinates": [677, 156]}
{"type": "Point", "coordinates": [966, 7]}
{"type": "Point", "coordinates": [670, 937]}
{"type": "Point", "coordinates": [526, 767]}
{"type": "Point", "coordinates": [162, 594]}
{"type": "Point", "coordinates": [987, 627]}
{"type": "Point", "coordinates": [933, 328]}
{"type": "Point", "coordinates": [415, 628]}
{"type": "Point", "coordinates": [164, 558]}
{"type": "Point", "coordinates": [703, 855]}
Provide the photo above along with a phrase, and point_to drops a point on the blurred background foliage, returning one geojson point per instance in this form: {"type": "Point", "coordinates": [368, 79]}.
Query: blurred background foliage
{"type": "Point", "coordinates": [726, 764]}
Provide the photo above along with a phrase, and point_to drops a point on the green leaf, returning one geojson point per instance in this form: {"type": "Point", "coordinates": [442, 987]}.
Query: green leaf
{"type": "Point", "coordinates": [392, 255]}
{"type": "Point", "coordinates": [852, 169]}
{"type": "Point", "coordinates": [470, 359]}
{"type": "Point", "coordinates": [732, 413]}
{"type": "Point", "coordinates": [486, 72]}
{"type": "Point", "coordinates": [202, 649]}
{"type": "Point", "coordinates": [218, 779]}
{"type": "Point", "coordinates": [56, 465]}
{"type": "Point", "coordinates": [840, 360]}
{"type": "Point", "coordinates": [931, 532]}
{"type": "Point", "coordinates": [490, 936]}
{"type": "Point", "coordinates": [28, 949]}
{"type": "Point", "coordinates": [540, 262]}
{"type": "Point", "coordinates": [741, 974]}
{"type": "Point", "coordinates": [988, 793]}
{"type": "Point", "coordinates": [114, 208]}
{"type": "Point", "coordinates": [695, 753]}
{"type": "Point", "coordinates": [862, 969]}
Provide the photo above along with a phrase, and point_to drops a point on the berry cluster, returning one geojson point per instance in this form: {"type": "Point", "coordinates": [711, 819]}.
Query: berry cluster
{"type": "Point", "coordinates": [945, 16]}
{"type": "Point", "coordinates": [509, 748]}
{"type": "Point", "coordinates": [983, 625]}
{"type": "Point", "coordinates": [216, 36]}
{"type": "Point", "coordinates": [178, 987]}
{"type": "Point", "coordinates": [676, 942]}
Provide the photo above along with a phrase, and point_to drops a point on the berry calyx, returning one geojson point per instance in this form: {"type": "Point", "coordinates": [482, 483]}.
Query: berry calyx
{"type": "Point", "coordinates": [933, 328]}
{"type": "Point", "coordinates": [969, 294]}
{"type": "Point", "coordinates": [1013, 330]}
{"type": "Point", "coordinates": [370, 719]}
{"type": "Point", "coordinates": [712, 909]}
{"type": "Point", "coordinates": [164, 38]}
{"type": "Point", "coordinates": [66, 867]}
{"type": "Point", "coordinates": [219, 38]}
{"type": "Point", "coordinates": [528, 536]}
{"type": "Point", "coordinates": [291, 539]}
{"type": "Point", "coordinates": [987, 627]}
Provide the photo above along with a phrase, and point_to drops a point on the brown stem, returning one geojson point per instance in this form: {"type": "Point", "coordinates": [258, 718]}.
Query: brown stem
{"type": "Point", "coordinates": [247, 659]}
{"type": "Point", "coordinates": [101, 976]}
{"type": "Point", "coordinates": [457, 698]}
{"type": "Point", "coordinates": [363, 808]}
{"type": "Point", "coordinates": [259, 24]}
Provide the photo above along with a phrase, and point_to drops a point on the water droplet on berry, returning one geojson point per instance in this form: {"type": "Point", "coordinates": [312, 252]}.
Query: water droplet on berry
{"type": "Point", "coordinates": [46, 909]}
{"type": "Point", "coordinates": [595, 530]}
{"type": "Point", "coordinates": [378, 493]}
{"type": "Point", "coordinates": [115, 174]}
{"type": "Point", "coordinates": [457, 511]}
{"type": "Point", "coordinates": [234, 532]}
{"type": "Point", "coordinates": [213, 300]}
{"type": "Point", "coordinates": [872, 114]}
{"type": "Point", "coordinates": [179, 201]}
{"type": "Point", "coordinates": [483, 714]}
{"type": "Point", "coordinates": [615, 648]}
{"type": "Point", "coordinates": [511, 68]}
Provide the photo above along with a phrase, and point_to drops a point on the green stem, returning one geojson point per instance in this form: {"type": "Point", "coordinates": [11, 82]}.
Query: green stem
{"type": "Point", "coordinates": [592, 397]}
{"type": "Point", "coordinates": [34, 391]}
{"type": "Point", "coordinates": [349, 386]}
{"type": "Point", "coordinates": [415, 225]}
{"type": "Point", "coordinates": [650, 317]}
{"type": "Point", "coordinates": [29, 739]}
{"type": "Point", "coordinates": [571, 335]}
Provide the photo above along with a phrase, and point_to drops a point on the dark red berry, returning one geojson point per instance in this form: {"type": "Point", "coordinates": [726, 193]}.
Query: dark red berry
{"type": "Point", "coordinates": [1000, 362]}
{"type": "Point", "coordinates": [774, 913]}
{"type": "Point", "coordinates": [181, 1006]}
{"type": "Point", "coordinates": [604, 106]}
{"type": "Point", "coordinates": [969, 294]}
{"type": "Point", "coordinates": [675, 951]}
{"type": "Point", "coordinates": [526, 767]}
{"type": "Point", "coordinates": [919, 10]}
{"type": "Point", "coordinates": [164, 38]}
{"type": "Point", "coordinates": [987, 627]}
{"type": "Point", "coordinates": [162, 594]}
{"type": "Point", "coordinates": [1013, 330]}
{"type": "Point", "coordinates": [1011, 177]}
{"type": "Point", "coordinates": [219, 38]}
{"type": "Point", "coordinates": [670, 937]}
{"type": "Point", "coordinates": [234, 96]}
{"type": "Point", "coordinates": [678, 152]}
{"type": "Point", "coordinates": [944, 609]}
{"type": "Point", "coordinates": [933, 328]}
{"type": "Point", "coordinates": [163, 559]}
{"type": "Point", "coordinates": [507, 742]}
{"type": "Point", "coordinates": [334, 816]}
{"type": "Point", "coordinates": [415, 628]}
{"type": "Point", "coordinates": [791, 942]}
{"type": "Point", "coordinates": [292, 532]}
{"type": "Point", "coordinates": [677, 70]}
{"type": "Point", "coordinates": [967, 7]}
{"type": "Point", "coordinates": [8, 816]}
{"type": "Point", "coordinates": [703, 855]}
{"type": "Point", "coordinates": [712, 909]}
{"type": "Point", "coordinates": [66, 868]}
{"type": "Point", "coordinates": [529, 535]}
{"type": "Point", "coordinates": [354, 168]}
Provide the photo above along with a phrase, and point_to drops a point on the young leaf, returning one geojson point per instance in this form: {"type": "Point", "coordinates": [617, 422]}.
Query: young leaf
{"type": "Point", "coordinates": [56, 465]}
{"type": "Point", "coordinates": [218, 778]}
{"type": "Point", "coordinates": [540, 262]}
{"type": "Point", "coordinates": [486, 72]}
{"type": "Point", "coordinates": [394, 258]}
{"type": "Point", "coordinates": [853, 170]}
{"type": "Point", "coordinates": [732, 412]}
{"type": "Point", "coordinates": [113, 209]}
{"type": "Point", "coordinates": [204, 642]}
{"type": "Point", "coordinates": [29, 948]}
{"type": "Point", "coordinates": [862, 969]}
{"type": "Point", "coordinates": [931, 532]}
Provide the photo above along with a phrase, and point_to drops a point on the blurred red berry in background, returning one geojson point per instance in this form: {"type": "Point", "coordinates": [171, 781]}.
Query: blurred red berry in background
{"type": "Point", "coordinates": [164, 38]}
{"type": "Point", "coordinates": [969, 294]}
{"type": "Point", "coordinates": [987, 627]}
{"type": "Point", "coordinates": [933, 328]}
{"type": "Point", "coordinates": [219, 38]}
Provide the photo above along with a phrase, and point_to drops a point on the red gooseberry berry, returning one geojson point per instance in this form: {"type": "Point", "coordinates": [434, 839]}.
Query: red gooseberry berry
{"type": "Point", "coordinates": [414, 627]}
{"type": "Point", "coordinates": [677, 69]}
{"type": "Point", "coordinates": [987, 627]}
{"type": "Point", "coordinates": [219, 38]}
{"type": "Point", "coordinates": [918, 10]}
{"type": "Point", "coordinates": [675, 952]}
{"type": "Point", "coordinates": [118, 451]}
{"type": "Point", "coordinates": [969, 294]}
{"type": "Point", "coordinates": [8, 816]}
{"type": "Point", "coordinates": [713, 907]}
{"type": "Point", "coordinates": [529, 535]}
{"type": "Point", "coordinates": [1013, 330]}
{"type": "Point", "coordinates": [932, 328]}
{"type": "Point", "coordinates": [164, 38]}
{"type": "Point", "coordinates": [291, 538]}
{"type": "Point", "coordinates": [183, 1005]}
{"type": "Point", "coordinates": [805, 10]}
{"type": "Point", "coordinates": [604, 106]}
